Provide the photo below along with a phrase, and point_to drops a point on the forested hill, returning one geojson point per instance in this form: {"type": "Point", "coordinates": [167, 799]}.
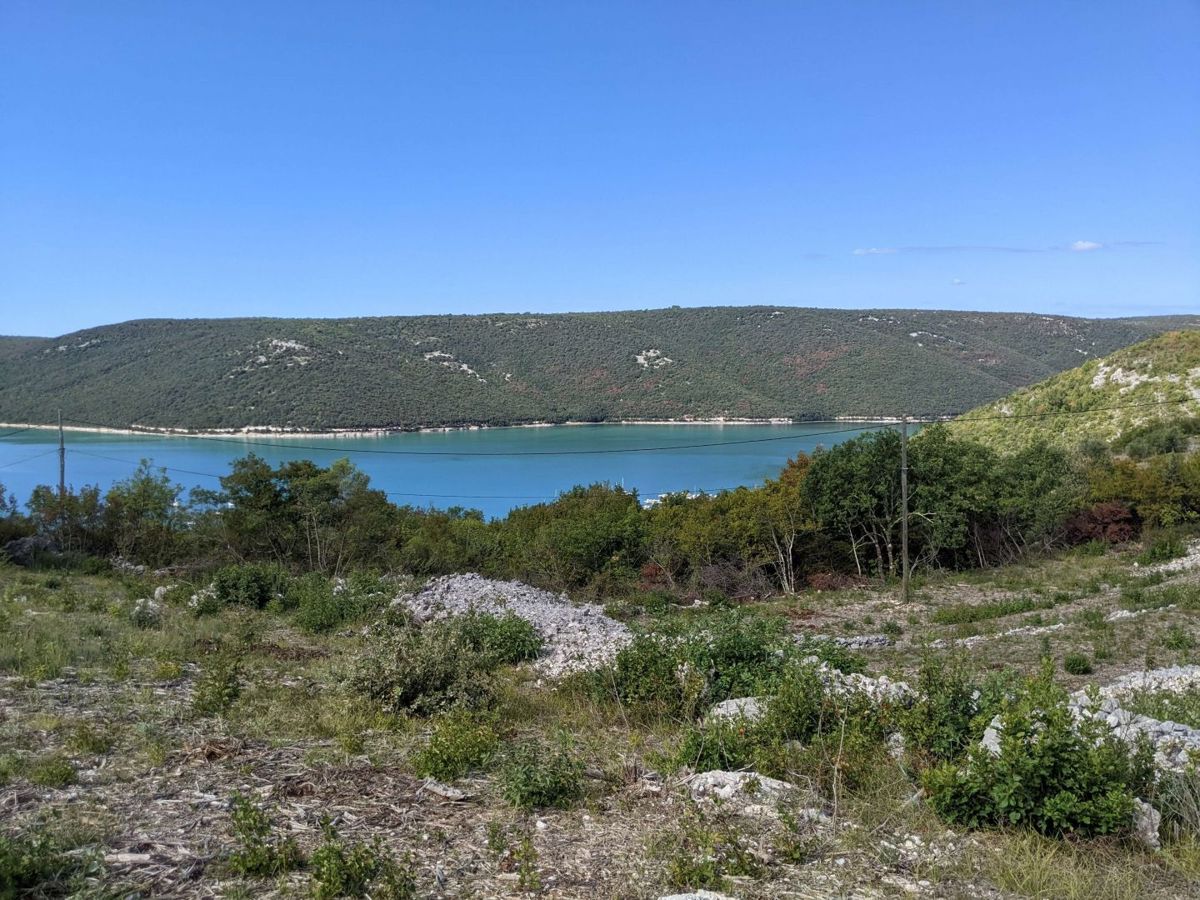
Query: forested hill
{"type": "Point", "coordinates": [1143, 400]}
{"type": "Point", "coordinates": [497, 369]}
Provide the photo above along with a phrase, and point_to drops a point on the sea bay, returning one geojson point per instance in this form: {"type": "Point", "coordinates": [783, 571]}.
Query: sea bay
{"type": "Point", "coordinates": [493, 469]}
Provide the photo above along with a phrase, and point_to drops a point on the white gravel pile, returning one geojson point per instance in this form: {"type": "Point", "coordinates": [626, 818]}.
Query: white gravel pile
{"type": "Point", "coordinates": [578, 636]}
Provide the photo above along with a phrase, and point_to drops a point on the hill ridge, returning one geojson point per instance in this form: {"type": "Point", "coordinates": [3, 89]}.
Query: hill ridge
{"type": "Point", "coordinates": [515, 368]}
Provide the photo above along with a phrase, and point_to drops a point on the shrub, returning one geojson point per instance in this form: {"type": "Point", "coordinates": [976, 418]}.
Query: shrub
{"type": "Point", "coordinates": [460, 744]}
{"type": "Point", "coordinates": [500, 640]}
{"type": "Point", "coordinates": [249, 584]}
{"type": "Point", "coordinates": [261, 852]}
{"type": "Point", "coordinates": [1111, 522]}
{"type": "Point", "coordinates": [39, 864]}
{"type": "Point", "coordinates": [1049, 775]}
{"type": "Point", "coordinates": [940, 724]}
{"type": "Point", "coordinates": [536, 774]}
{"type": "Point", "coordinates": [445, 664]}
{"type": "Point", "coordinates": [800, 711]}
{"type": "Point", "coordinates": [1162, 547]}
{"type": "Point", "coordinates": [682, 669]}
{"type": "Point", "coordinates": [728, 744]}
{"type": "Point", "coordinates": [1077, 664]}
{"type": "Point", "coordinates": [704, 852]}
{"type": "Point", "coordinates": [322, 605]}
{"type": "Point", "coordinates": [341, 869]}
{"type": "Point", "coordinates": [318, 608]}
{"type": "Point", "coordinates": [218, 685]}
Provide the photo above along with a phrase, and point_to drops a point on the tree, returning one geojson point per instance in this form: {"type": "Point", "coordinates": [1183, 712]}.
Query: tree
{"type": "Point", "coordinates": [854, 489]}
{"type": "Point", "coordinates": [142, 515]}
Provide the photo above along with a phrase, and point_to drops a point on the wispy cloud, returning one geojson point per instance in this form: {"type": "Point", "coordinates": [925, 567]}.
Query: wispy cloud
{"type": "Point", "coordinates": [957, 281]}
{"type": "Point", "coordinates": [1080, 246]}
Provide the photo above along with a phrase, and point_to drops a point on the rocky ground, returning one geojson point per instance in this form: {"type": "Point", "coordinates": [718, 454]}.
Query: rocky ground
{"type": "Point", "coordinates": [151, 781]}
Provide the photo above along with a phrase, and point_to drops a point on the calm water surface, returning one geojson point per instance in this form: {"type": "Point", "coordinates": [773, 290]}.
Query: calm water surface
{"type": "Point", "coordinates": [490, 469]}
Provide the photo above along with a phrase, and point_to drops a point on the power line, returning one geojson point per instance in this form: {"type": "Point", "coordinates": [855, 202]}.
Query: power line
{"type": "Point", "coordinates": [18, 431]}
{"type": "Point", "coordinates": [129, 462]}
{"type": "Point", "coordinates": [17, 462]}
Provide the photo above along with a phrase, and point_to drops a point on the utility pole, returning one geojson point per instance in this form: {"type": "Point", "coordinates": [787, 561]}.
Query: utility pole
{"type": "Point", "coordinates": [62, 478]}
{"type": "Point", "coordinates": [905, 587]}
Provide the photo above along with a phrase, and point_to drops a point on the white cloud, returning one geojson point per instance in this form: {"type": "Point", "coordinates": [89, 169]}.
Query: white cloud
{"type": "Point", "coordinates": [1084, 246]}
{"type": "Point", "coordinates": [873, 251]}
{"type": "Point", "coordinates": [957, 281]}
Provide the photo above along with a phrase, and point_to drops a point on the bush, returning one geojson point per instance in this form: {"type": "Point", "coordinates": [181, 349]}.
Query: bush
{"type": "Point", "coordinates": [940, 724]}
{"type": "Point", "coordinates": [704, 853]}
{"type": "Point", "coordinates": [341, 869]}
{"type": "Point", "coordinates": [249, 584]}
{"type": "Point", "coordinates": [1077, 664]}
{"type": "Point", "coordinates": [261, 853]}
{"type": "Point", "coordinates": [1048, 775]}
{"type": "Point", "coordinates": [39, 864]}
{"type": "Point", "coordinates": [460, 744]}
{"type": "Point", "coordinates": [500, 640]}
{"type": "Point", "coordinates": [536, 775]}
{"type": "Point", "coordinates": [682, 669]}
{"type": "Point", "coordinates": [800, 711]}
{"type": "Point", "coordinates": [1162, 547]}
{"type": "Point", "coordinates": [445, 664]}
{"type": "Point", "coordinates": [322, 605]}
{"type": "Point", "coordinates": [218, 685]}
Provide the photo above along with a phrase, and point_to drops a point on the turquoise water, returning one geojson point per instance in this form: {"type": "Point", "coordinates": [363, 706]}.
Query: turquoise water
{"type": "Point", "coordinates": [490, 469]}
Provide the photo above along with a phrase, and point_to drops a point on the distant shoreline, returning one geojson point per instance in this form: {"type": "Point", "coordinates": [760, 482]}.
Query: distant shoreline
{"type": "Point", "coordinates": [281, 432]}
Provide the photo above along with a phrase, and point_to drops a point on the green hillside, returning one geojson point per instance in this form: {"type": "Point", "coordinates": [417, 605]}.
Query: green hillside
{"type": "Point", "coordinates": [497, 369]}
{"type": "Point", "coordinates": [1142, 393]}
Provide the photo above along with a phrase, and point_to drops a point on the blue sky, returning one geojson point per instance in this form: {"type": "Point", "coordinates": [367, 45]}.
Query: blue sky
{"type": "Point", "coordinates": [372, 158]}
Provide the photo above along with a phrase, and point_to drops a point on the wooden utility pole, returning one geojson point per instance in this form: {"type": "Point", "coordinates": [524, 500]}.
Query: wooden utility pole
{"type": "Point", "coordinates": [905, 587]}
{"type": "Point", "coordinates": [62, 477]}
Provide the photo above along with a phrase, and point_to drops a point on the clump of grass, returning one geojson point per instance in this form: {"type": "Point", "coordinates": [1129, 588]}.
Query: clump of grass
{"type": "Point", "coordinates": [52, 771]}
{"type": "Point", "coordinates": [1029, 865]}
{"type": "Point", "coordinates": [1077, 663]}
{"type": "Point", "coordinates": [260, 852]}
{"type": "Point", "coordinates": [90, 740]}
{"type": "Point", "coordinates": [964, 613]}
{"type": "Point", "coordinates": [1177, 706]}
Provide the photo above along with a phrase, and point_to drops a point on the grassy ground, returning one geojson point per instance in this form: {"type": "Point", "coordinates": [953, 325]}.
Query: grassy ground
{"type": "Point", "coordinates": [121, 748]}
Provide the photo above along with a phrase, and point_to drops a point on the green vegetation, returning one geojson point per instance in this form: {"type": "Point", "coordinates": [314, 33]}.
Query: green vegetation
{"type": "Point", "coordinates": [1176, 706]}
{"type": "Point", "coordinates": [1141, 399]}
{"type": "Point", "coordinates": [1050, 773]}
{"type": "Point", "coordinates": [540, 773]}
{"type": "Point", "coordinates": [459, 745]}
{"type": "Point", "coordinates": [502, 369]}
{"type": "Point", "coordinates": [269, 658]}
{"type": "Point", "coordinates": [41, 863]}
{"type": "Point", "coordinates": [446, 664]}
{"type": "Point", "coordinates": [343, 869]}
